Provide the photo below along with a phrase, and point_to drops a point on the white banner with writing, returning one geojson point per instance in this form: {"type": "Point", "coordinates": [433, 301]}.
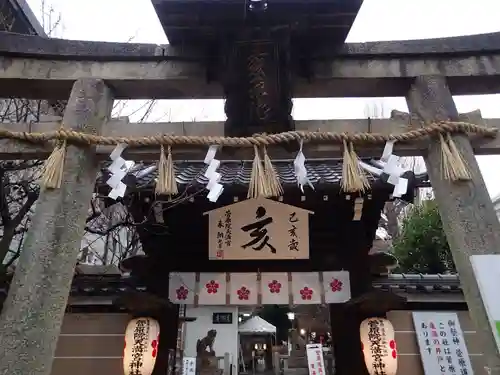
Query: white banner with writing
{"type": "Point", "coordinates": [315, 361]}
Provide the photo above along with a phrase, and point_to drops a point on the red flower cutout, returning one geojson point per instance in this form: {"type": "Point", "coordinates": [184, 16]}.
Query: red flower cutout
{"type": "Point", "coordinates": [392, 345]}
{"type": "Point", "coordinates": [212, 287]}
{"type": "Point", "coordinates": [154, 345]}
{"type": "Point", "coordinates": [243, 293]}
{"type": "Point", "coordinates": [274, 286]}
{"type": "Point", "coordinates": [336, 285]}
{"type": "Point", "coordinates": [182, 293]}
{"type": "Point", "coordinates": [306, 293]}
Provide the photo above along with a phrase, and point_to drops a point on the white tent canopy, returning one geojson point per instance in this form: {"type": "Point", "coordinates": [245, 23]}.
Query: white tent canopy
{"type": "Point", "coordinates": [256, 325]}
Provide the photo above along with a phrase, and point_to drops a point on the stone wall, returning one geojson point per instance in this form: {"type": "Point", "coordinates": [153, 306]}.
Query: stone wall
{"type": "Point", "coordinates": [91, 344]}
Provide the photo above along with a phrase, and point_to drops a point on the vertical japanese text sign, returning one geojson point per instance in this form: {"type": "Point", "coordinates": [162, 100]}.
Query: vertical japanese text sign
{"type": "Point", "coordinates": [258, 229]}
{"type": "Point", "coordinates": [315, 360]}
{"type": "Point", "coordinates": [441, 342]}
{"type": "Point", "coordinates": [188, 366]}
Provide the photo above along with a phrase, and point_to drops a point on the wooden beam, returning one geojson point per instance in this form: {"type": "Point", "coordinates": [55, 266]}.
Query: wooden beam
{"type": "Point", "coordinates": [37, 299]}
{"type": "Point", "coordinates": [42, 68]}
{"type": "Point", "coordinates": [363, 76]}
{"type": "Point", "coordinates": [11, 150]}
{"type": "Point", "coordinates": [469, 219]}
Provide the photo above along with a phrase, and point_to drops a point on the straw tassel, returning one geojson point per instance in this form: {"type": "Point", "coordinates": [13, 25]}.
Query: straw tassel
{"type": "Point", "coordinates": [453, 166]}
{"type": "Point", "coordinates": [462, 170]}
{"type": "Point", "coordinates": [258, 186]}
{"type": "Point", "coordinates": [272, 179]}
{"type": "Point", "coordinates": [53, 167]}
{"type": "Point", "coordinates": [353, 177]}
{"type": "Point", "coordinates": [166, 184]}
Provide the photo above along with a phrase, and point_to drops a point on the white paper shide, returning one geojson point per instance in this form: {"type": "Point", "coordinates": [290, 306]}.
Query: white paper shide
{"type": "Point", "coordinates": [118, 169]}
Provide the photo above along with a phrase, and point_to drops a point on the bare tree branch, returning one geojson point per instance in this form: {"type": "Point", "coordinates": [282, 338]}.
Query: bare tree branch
{"type": "Point", "coordinates": [110, 233]}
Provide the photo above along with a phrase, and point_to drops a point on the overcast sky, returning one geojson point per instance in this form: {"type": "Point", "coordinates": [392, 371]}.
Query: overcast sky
{"type": "Point", "coordinates": [121, 20]}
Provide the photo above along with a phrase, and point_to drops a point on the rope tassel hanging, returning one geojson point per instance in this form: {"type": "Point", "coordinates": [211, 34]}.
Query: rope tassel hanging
{"type": "Point", "coordinates": [166, 184]}
{"type": "Point", "coordinates": [462, 170]}
{"type": "Point", "coordinates": [272, 179]}
{"type": "Point", "coordinates": [53, 167]}
{"type": "Point", "coordinates": [353, 177]}
{"type": "Point", "coordinates": [453, 166]}
{"type": "Point", "coordinates": [258, 186]}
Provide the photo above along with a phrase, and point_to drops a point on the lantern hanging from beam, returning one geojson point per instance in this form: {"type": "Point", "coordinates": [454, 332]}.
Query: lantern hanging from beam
{"type": "Point", "coordinates": [141, 346]}
{"type": "Point", "coordinates": [379, 346]}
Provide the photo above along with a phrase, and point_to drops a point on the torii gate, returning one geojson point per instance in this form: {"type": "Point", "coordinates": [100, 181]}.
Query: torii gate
{"type": "Point", "coordinates": [97, 73]}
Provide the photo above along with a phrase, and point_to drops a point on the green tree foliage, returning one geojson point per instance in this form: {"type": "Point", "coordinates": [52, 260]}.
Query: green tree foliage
{"type": "Point", "coordinates": [277, 316]}
{"type": "Point", "coordinates": [422, 246]}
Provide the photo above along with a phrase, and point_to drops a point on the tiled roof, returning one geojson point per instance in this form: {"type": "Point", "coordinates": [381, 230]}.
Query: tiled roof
{"type": "Point", "coordinates": [419, 283]}
{"type": "Point", "coordinates": [96, 285]}
{"type": "Point", "coordinates": [115, 284]}
{"type": "Point", "coordinates": [324, 172]}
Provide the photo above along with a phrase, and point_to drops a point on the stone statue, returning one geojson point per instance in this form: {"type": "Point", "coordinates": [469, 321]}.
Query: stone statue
{"type": "Point", "coordinates": [206, 359]}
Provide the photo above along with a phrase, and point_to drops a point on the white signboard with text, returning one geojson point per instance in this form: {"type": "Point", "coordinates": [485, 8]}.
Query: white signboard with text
{"type": "Point", "coordinates": [188, 366]}
{"type": "Point", "coordinates": [258, 229]}
{"type": "Point", "coordinates": [315, 361]}
{"type": "Point", "coordinates": [487, 271]}
{"type": "Point", "coordinates": [442, 344]}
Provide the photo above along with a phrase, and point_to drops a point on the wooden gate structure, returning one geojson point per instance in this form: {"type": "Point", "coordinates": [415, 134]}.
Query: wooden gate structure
{"type": "Point", "coordinates": [273, 65]}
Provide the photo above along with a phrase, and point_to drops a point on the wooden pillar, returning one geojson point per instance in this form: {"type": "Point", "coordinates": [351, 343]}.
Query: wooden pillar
{"type": "Point", "coordinates": [31, 319]}
{"type": "Point", "coordinates": [466, 210]}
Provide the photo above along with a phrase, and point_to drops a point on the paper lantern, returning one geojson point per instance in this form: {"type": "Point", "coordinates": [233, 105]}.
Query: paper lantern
{"type": "Point", "coordinates": [379, 346]}
{"type": "Point", "coordinates": [141, 346]}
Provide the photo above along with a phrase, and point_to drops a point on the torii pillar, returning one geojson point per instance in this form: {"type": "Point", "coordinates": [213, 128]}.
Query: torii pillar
{"type": "Point", "coordinates": [467, 213]}
{"type": "Point", "coordinates": [32, 315]}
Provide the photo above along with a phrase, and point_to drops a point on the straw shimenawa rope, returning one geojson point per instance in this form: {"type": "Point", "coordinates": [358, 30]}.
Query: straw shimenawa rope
{"type": "Point", "coordinates": [265, 181]}
{"type": "Point", "coordinates": [257, 140]}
